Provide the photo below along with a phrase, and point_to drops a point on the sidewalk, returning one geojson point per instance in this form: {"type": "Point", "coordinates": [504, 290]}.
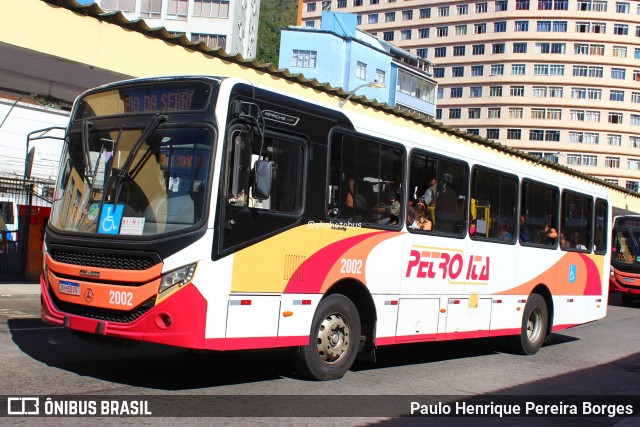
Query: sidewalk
{"type": "Point", "coordinates": [19, 290]}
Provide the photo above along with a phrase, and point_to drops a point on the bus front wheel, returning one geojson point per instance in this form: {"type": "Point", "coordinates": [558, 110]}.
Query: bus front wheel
{"type": "Point", "coordinates": [333, 342]}
{"type": "Point", "coordinates": [534, 327]}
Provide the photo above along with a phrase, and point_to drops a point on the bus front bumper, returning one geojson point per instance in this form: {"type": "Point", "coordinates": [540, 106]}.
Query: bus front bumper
{"type": "Point", "coordinates": [179, 320]}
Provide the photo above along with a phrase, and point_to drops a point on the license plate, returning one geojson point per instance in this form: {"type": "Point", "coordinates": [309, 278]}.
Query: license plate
{"type": "Point", "coordinates": [69, 288]}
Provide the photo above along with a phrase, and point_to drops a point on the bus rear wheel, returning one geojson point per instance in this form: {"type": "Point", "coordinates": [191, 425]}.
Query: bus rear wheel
{"type": "Point", "coordinates": [534, 327]}
{"type": "Point", "coordinates": [333, 342]}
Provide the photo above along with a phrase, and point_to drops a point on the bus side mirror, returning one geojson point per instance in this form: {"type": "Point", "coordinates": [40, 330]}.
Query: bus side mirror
{"type": "Point", "coordinates": [263, 178]}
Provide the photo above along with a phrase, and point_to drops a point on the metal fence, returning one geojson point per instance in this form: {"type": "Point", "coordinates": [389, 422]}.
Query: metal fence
{"type": "Point", "coordinates": [24, 211]}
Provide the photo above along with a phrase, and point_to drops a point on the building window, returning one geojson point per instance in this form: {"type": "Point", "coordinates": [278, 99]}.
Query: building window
{"type": "Point", "coordinates": [500, 27]}
{"type": "Point", "coordinates": [442, 31]}
{"type": "Point", "coordinates": [425, 13]}
{"type": "Point", "coordinates": [474, 113]}
{"type": "Point", "coordinates": [592, 116]}
{"type": "Point", "coordinates": [633, 186]}
{"type": "Point", "coordinates": [615, 118]}
{"type": "Point", "coordinates": [559, 26]}
{"type": "Point", "coordinates": [576, 115]}
{"type": "Point", "coordinates": [612, 162]}
{"type": "Point", "coordinates": [381, 76]}
{"type": "Point", "coordinates": [495, 91]}
{"type": "Point", "coordinates": [304, 58]}
{"type": "Point", "coordinates": [578, 93]}
{"type": "Point", "coordinates": [621, 29]}
{"type": "Point", "coordinates": [575, 137]}
{"type": "Point", "coordinates": [387, 36]}
{"type": "Point", "coordinates": [423, 33]}
{"type": "Point", "coordinates": [151, 8]}
{"type": "Point", "coordinates": [462, 9]}
{"type": "Point", "coordinates": [477, 70]}
{"type": "Point", "coordinates": [518, 69]}
{"type": "Point", "coordinates": [515, 112]}
{"type": "Point", "coordinates": [537, 113]}
{"type": "Point", "coordinates": [545, 4]}
{"type": "Point", "coordinates": [622, 7]}
{"type": "Point", "coordinates": [618, 73]}
{"type": "Point", "coordinates": [443, 11]}
{"type": "Point", "coordinates": [121, 5]}
{"type": "Point", "coordinates": [519, 47]}
{"type": "Point", "coordinates": [493, 112]}
{"type": "Point", "coordinates": [544, 26]}
{"type": "Point", "coordinates": [357, 3]}
{"type": "Point", "coordinates": [501, 5]}
{"type": "Point", "coordinates": [479, 28]}
{"type": "Point", "coordinates": [522, 4]}
{"type": "Point", "coordinates": [634, 141]}
{"type": "Point", "coordinates": [389, 16]}
{"type": "Point", "coordinates": [458, 50]}
{"type": "Point", "coordinates": [540, 91]}
{"type": "Point", "coordinates": [456, 92]}
{"type": "Point", "coordinates": [405, 34]}
{"type": "Point", "coordinates": [635, 97]}
{"type": "Point", "coordinates": [497, 69]}
{"type": "Point", "coordinates": [311, 7]}
{"type": "Point", "coordinates": [461, 30]}
{"type": "Point", "coordinates": [498, 48]}
{"type": "Point", "coordinates": [589, 160]}
{"type": "Point", "coordinates": [517, 90]}
{"type": "Point", "coordinates": [422, 52]}
{"type": "Point", "coordinates": [441, 52]}
{"type": "Point", "coordinates": [522, 26]}
{"type": "Point", "coordinates": [342, 4]}
{"type": "Point", "coordinates": [634, 119]}
{"type": "Point", "coordinates": [536, 135]}
{"type": "Point", "coordinates": [455, 113]}
{"type": "Point", "coordinates": [620, 51]}
{"type": "Point", "coordinates": [552, 135]}
{"type": "Point", "coordinates": [473, 131]}
{"type": "Point", "coordinates": [616, 95]}
{"type": "Point", "coordinates": [574, 159]}
{"type": "Point", "coordinates": [372, 18]}
{"type": "Point", "coordinates": [213, 41]}
{"type": "Point", "coordinates": [580, 71]}
{"type": "Point", "coordinates": [438, 113]}
{"type": "Point", "coordinates": [361, 70]}
{"type": "Point", "coordinates": [615, 140]}
{"type": "Point", "coordinates": [457, 71]}
{"type": "Point", "coordinates": [478, 49]}
{"type": "Point", "coordinates": [438, 72]}
{"type": "Point", "coordinates": [481, 8]}
{"type": "Point", "coordinates": [493, 133]}
{"type": "Point", "coordinates": [407, 15]}
{"type": "Point", "coordinates": [561, 4]}
{"type": "Point", "coordinates": [514, 134]}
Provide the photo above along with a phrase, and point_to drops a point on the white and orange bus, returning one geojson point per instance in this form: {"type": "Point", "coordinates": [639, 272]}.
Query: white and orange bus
{"type": "Point", "coordinates": [625, 258]}
{"type": "Point", "coordinates": [218, 214]}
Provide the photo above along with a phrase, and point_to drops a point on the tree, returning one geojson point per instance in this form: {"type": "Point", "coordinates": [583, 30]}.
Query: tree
{"type": "Point", "coordinates": [274, 15]}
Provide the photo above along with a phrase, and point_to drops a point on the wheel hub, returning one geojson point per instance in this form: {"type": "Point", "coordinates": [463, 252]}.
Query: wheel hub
{"type": "Point", "coordinates": [333, 338]}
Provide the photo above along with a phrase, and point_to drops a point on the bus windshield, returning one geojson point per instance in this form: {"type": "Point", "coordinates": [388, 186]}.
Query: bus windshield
{"type": "Point", "coordinates": [124, 181]}
{"type": "Point", "coordinates": [626, 245]}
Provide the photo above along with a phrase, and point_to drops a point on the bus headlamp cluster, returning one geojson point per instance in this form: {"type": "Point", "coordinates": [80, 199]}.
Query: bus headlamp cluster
{"type": "Point", "coordinates": [180, 277]}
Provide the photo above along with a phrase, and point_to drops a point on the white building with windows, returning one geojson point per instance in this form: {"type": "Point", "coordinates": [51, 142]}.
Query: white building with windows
{"type": "Point", "coordinates": [555, 78]}
{"type": "Point", "coordinates": [230, 25]}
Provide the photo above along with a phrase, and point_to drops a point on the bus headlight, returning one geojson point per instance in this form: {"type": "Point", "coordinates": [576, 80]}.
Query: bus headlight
{"type": "Point", "coordinates": [180, 276]}
{"type": "Point", "coordinates": [611, 271]}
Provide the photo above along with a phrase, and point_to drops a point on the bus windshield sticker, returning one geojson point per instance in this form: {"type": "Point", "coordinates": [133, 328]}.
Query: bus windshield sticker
{"type": "Point", "coordinates": [279, 117]}
{"type": "Point", "coordinates": [110, 219]}
{"type": "Point", "coordinates": [132, 226]}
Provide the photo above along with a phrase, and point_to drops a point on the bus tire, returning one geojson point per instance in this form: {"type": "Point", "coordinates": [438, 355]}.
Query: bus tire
{"type": "Point", "coordinates": [535, 320]}
{"type": "Point", "coordinates": [333, 342]}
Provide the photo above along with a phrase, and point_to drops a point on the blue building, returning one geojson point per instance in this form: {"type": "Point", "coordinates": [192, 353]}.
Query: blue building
{"type": "Point", "coordinates": [343, 56]}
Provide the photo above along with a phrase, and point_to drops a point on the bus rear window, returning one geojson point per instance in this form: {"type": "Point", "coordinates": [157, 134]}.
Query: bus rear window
{"type": "Point", "coordinates": [149, 98]}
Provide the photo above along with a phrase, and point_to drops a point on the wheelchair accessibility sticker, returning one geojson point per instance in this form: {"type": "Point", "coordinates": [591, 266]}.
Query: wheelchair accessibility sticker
{"type": "Point", "coordinates": [573, 272]}
{"type": "Point", "coordinates": [110, 219]}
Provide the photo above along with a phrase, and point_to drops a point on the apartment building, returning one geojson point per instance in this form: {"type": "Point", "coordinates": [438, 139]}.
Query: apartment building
{"type": "Point", "coordinates": [557, 78]}
{"type": "Point", "coordinates": [226, 24]}
{"type": "Point", "coordinates": [343, 56]}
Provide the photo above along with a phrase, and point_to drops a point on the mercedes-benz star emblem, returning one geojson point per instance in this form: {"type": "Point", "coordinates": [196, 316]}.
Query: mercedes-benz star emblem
{"type": "Point", "coordinates": [88, 295]}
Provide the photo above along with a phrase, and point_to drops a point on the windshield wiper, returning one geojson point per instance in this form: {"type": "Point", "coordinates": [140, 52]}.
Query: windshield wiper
{"type": "Point", "coordinates": [146, 133]}
{"type": "Point", "coordinates": [88, 170]}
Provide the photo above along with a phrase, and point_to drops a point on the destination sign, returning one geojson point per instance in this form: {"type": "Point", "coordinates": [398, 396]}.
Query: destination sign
{"type": "Point", "coordinates": [150, 98]}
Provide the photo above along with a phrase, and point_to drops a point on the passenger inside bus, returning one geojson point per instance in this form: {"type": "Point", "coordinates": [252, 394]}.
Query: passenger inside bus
{"type": "Point", "coordinates": [547, 234]}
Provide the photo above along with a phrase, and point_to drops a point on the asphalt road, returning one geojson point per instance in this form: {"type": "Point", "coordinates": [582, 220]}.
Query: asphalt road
{"type": "Point", "coordinates": [597, 359]}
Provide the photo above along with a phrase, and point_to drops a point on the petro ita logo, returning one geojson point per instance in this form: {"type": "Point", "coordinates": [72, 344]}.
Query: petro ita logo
{"type": "Point", "coordinates": [23, 406]}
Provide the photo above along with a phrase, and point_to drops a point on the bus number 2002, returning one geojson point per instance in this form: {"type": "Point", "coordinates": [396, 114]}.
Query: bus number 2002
{"type": "Point", "coordinates": [351, 266]}
{"type": "Point", "coordinates": [120, 298]}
